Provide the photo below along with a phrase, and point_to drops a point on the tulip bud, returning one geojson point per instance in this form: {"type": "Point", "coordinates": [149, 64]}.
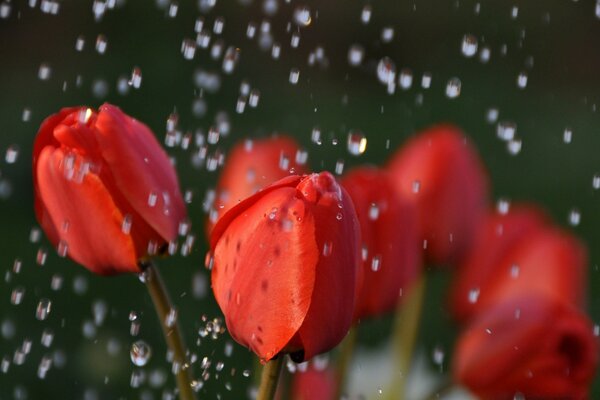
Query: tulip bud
{"type": "Point", "coordinates": [390, 243]}
{"type": "Point", "coordinates": [106, 193]}
{"type": "Point", "coordinates": [285, 267]}
{"type": "Point", "coordinates": [440, 173]}
{"type": "Point", "coordinates": [252, 165]}
{"type": "Point", "coordinates": [534, 346]}
{"type": "Point", "coordinates": [496, 237]}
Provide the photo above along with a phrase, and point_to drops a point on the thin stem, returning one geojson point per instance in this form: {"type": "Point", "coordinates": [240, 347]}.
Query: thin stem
{"type": "Point", "coordinates": [343, 362]}
{"type": "Point", "coordinates": [171, 331]}
{"type": "Point", "coordinates": [269, 378]}
{"type": "Point", "coordinates": [404, 336]}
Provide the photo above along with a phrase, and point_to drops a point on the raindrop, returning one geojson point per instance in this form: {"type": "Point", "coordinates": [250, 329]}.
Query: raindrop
{"type": "Point", "coordinates": [405, 79]}
{"type": "Point", "coordinates": [47, 338]}
{"type": "Point", "coordinates": [373, 212]}
{"type": "Point", "coordinates": [484, 54]}
{"type": "Point", "coordinates": [514, 146]}
{"type": "Point", "coordinates": [251, 30]}
{"type": "Point", "coordinates": [152, 199]}
{"type": "Point", "coordinates": [295, 40]}
{"type": "Point", "coordinates": [386, 70]}
{"type": "Point", "coordinates": [5, 10]}
{"type": "Point", "coordinates": [356, 53]}
{"type": "Point", "coordinates": [522, 80]}
{"type": "Point", "coordinates": [43, 309]}
{"type": "Point", "coordinates": [140, 353]}
{"type": "Point", "coordinates": [12, 153]}
{"type": "Point", "coordinates": [473, 295]}
{"type": "Point", "coordinates": [218, 25]}
{"type": "Point", "coordinates": [469, 45]}
{"type": "Point", "coordinates": [426, 80]}
{"type": "Point", "coordinates": [574, 217]}
{"type": "Point", "coordinates": [387, 34]}
{"type": "Point", "coordinates": [294, 76]}
{"type": "Point", "coordinates": [26, 116]}
{"type": "Point", "coordinates": [503, 206]}
{"type": "Point", "coordinates": [376, 263]}
{"type": "Point", "coordinates": [136, 78]}
{"type": "Point", "coordinates": [80, 43]}
{"type": "Point", "coordinates": [44, 71]}
{"type": "Point", "coordinates": [203, 39]}
{"type": "Point", "coordinates": [188, 48]}
{"type": "Point", "coordinates": [276, 51]}
{"type": "Point", "coordinates": [357, 143]}
{"type": "Point", "coordinates": [327, 249]}
{"type": "Point", "coordinates": [506, 130]}
{"type": "Point", "coordinates": [17, 295]}
{"type": "Point", "coordinates": [230, 59]}
{"type": "Point", "coordinates": [596, 181]}
{"type": "Point", "coordinates": [453, 88]}
{"type": "Point", "coordinates": [315, 135]}
{"type": "Point", "coordinates": [339, 167]}
{"type": "Point", "coordinates": [365, 15]}
{"type": "Point", "coordinates": [491, 115]}
{"type": "Point", "coordinates": [253, 98]}
{"type": "Point", "coordinates": [598, 9]}
{"type": "Point", "coordinates": [302, 16]}
{"type": "Point", "coordinates": [438, 355]}
{"type": "Point", "coordinates": [171, 318]}
{"type": "Point", "coordinates": [567, 135]}
{"type": "Point", "coordinates": [101, 43]}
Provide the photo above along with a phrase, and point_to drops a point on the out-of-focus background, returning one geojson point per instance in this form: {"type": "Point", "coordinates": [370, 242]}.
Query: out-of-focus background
{"type": "Point", "coordinates": [497, 69]}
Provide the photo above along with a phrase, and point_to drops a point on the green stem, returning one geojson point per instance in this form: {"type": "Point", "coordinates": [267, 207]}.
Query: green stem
{"type": "Point", "coordinates": [269, 378]}
{"type": "Point", "coordinates": [343, 362]}
{"type": "Point", "coordinates": [171, 332]}
{"type": "Point", "coordinates": [404, 335]}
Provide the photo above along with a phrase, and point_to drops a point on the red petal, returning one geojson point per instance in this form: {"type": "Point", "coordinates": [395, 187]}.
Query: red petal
{"type": "Point", "coordinates": [141, 170]}
{"type": "Point", "coordinates": [253, 165]}
{"type": "Point", "coordinates": [440, 172]}
{"type": "Point", "coordinates": [265, 256]}
{"type": "Point", "coordinates": [496, 237]}
{"type": "Point", "coordinates": [337, 237]}
{"type": "Point", "coordinates": [84, 216]}
{"type": "Point", "coordinates": [390, 238]}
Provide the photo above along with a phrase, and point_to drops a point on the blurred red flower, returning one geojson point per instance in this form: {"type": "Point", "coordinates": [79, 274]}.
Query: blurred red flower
{"type": "Point", "coordinates": [285, 267]}
{"type": "Point", "coordinates": [440, 172]}
{"type": "Point", "coordinates": [105, 191]}
{"type": "Point", "coordinates": [252, 165]}
{"type": "Point", "coordinates": [313, 384]}
{"type": "Point", "coordinates": [391, 252]}
{"type": "Point", "coordinates": [531, 345]}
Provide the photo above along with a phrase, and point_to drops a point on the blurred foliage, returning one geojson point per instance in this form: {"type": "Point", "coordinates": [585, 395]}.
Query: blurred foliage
{"type": "Point", "coordinates": [553, 42]}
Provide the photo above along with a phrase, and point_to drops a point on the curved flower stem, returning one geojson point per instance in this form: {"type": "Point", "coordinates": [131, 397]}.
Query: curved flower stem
{"type": "Point", "coordinates": [344, 359]}
{"type": "Point", "coordinates": [269, 379]}
{"type": "Point", "coordinates": [404, 336]}
{"type": "Point", "coordinates": [172, 333]}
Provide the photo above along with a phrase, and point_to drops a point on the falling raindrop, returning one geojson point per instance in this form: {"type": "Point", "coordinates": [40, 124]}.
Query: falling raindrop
{"type": "Point", "coordinates": [101, 44]}
{"type": "Point", "coordinates": [44, 71]}
{"type": "Point", "coordinates": [386, 70]}
{"type": "Point", "coordinates": [469, 45]}
{"type": "Point", "coordinates": [356, 53]}
{"type": "Point", "coordinates": [365, 15]}
{"type": "Point", "coordinates": [357, 143]}
{"type": "Point", "coordinates": [522, 80]}
{"type": "Point", "coordinates": [136, 78]}
{"type": "Point", "coordinates": [302, 16]}
{"type": "Point", "coordinates": [140, 353]}
{"type": "Point", "coordinates": [453, 88]}
{"type": "Point", "coordinates": [43, 309]}
{"type": "Point", "coordinates": [574, 217]}
{"type": "Point", "coordinates": [294, 76]}
{"type": "Point", "coordinates": [567, 135]}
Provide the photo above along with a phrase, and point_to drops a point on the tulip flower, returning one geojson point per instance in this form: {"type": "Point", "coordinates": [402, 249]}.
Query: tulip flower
{"type": "Point", "coordinates": [252, 165]}
{"type": "Point", "coordinates": [285, 265]}
{"type": "Point", "coordinates": [441, 174]}
{"type": "Point", "coordinates": [107, 196]}
{"type": "Point", "coordinates": [313, 384]}
{"type": "Point", "coordinates": [496, 237]}
{"type": "Point", "coordinates": [547, 262]}
{"type": "Point", "coordinates": [106, 193]}
{"type": "Point", "coordinates": [390, 245]}
{"type": "Point", "coordinates": [535, 346]}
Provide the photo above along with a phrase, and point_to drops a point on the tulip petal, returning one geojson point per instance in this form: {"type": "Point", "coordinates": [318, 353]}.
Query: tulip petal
{"type": "Point", "coordinates": [264, 269]}
{"type": "Point", "coordinates": [141, 170]}
{"type": "Point", "coordinates": [336, 283]}
{"type": "Point", "coordinates": [83, 216]}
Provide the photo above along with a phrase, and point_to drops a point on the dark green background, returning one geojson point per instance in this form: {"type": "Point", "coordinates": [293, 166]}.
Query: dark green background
{"type": "Point", "coordinates": [563, 91]}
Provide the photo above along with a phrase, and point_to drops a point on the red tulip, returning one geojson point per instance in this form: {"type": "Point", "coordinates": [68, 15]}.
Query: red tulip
{"type": "Point", "coordinates": [285, 267]}
{"type": "Point", "coordinates": [252, 165]}
{"type": "Point", "coordinates": [495, 240]}
{"type": "Point", "coordinates": [549, 262]}
{"type": "Point", "coordinates": [313, 384]}
{"type": "Point", "coordinates": [439, 171]}
{"type": "Point", "coordinates": [390, 243]}
{"type": "Point", "coordinates": [532, 345]}
{"type": "Point", "coordinates": [105, 192]}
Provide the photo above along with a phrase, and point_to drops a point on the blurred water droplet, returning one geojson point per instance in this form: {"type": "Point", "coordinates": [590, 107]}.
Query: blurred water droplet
{"type": "Point", "coordinates": [101, 44]}
{"type": "Point", "coordinates": [376, 263]}
{"type": "Point", "coordinates": [503, 206]}
{"type": "Point", "coordinates": [567, 135]}
{"type": "Point", "coordinates": [17, 295]}
{"type": "Point", "coordinates": [12, 153]}
{"type": "Point", "coordinates": [405, 78]}
{"type": "Point", "coordinates": [426, 80]}
{"type": "Point", "coordinates": [386, 70]}
{"type": "Point", "coordinates": [484, 54]}
{"type": "Point", "coordinates": [230, 59]}
{"type": "Point", "coordinates": [506, 130]}
{"type": "Point", "coordinates": [438, 355]}
{"type": "Point", "coordinates": [43, 309]}
{"type": "Point", "coordinates": [574, 217]}
{"type": "Point", "coordinates": [387, 34]}
{"type": "Point", "coordinates": [47, 337]}
{"type": "Point", "coordinates": [295, 40]}
{"type": "Point", "coordinates": [294, 76]}
{"type": "Point", "coordinates": [140, 353]}
{"type": "Point", "coordinates": [473, 295]}
{"type": "Point", "coordinates": [596, 181]}
{"type": "Point", "coordinates": [339, 167]}
{"type": "Point", "coordinates": [522, 80]}
{"type": "Point", "coordinates": [365, 15]}
{"type": "Point", "coordinates": [357, 143]}
{"type": "Point", "coordinates": [171, 318]}
{"type": "Point", "coordinates": [469, 45]}
{"type": "Point", "coordinates": [44, 71]}
{"type": "Point", "coordinates": [491, 115]}
{"type": "Point", "coordinates": [327, 249]}
{"type": "Point", "coordinates": [453, 88]}
{"type": "Point", "coordinates": [136, 78]}
{"type": "Point", "coordinates": [356, 54]}
{"type": "Point", "coordinates": [514, 146]}
{"type": "Point", "coordinates": [302, 16]}
{"type": "Point", "coordinates": [188, 49]}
